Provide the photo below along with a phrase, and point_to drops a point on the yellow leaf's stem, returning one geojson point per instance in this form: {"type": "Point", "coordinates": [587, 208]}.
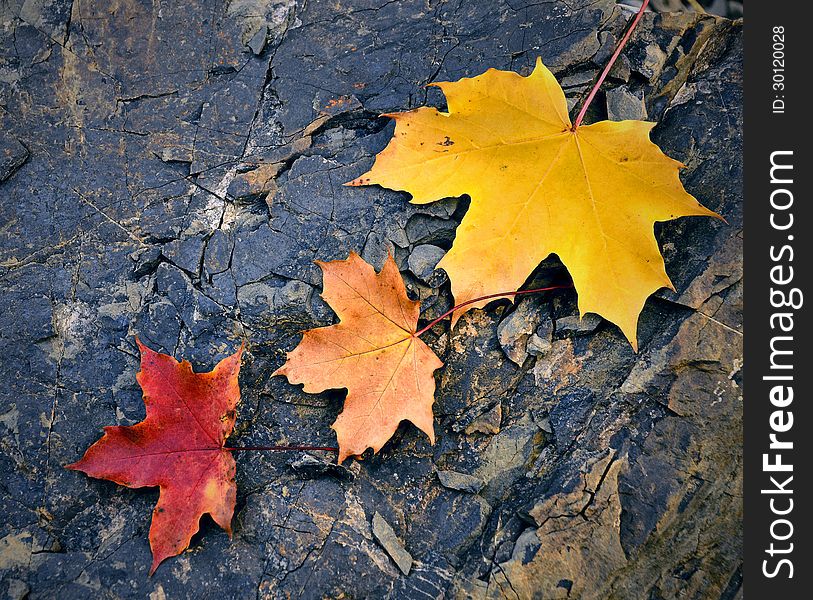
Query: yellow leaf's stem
{"type": "Point", "coordinates": [610, 64]}
{"type": "Point", "coordinates": [489, 297]}
{"type": "Point", "coordinates": [280, 448]}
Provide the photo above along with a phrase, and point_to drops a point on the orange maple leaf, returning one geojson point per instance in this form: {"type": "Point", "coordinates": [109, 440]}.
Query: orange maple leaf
{"type": "Point", "coordinates": [179, 447]}
{"type": "Point", "coordinates": [373, 351]}
{"type": "Point", "coordinates": [538, 186]}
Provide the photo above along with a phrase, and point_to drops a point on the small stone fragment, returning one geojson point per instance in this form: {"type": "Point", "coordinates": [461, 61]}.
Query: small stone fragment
{"type": "Point", "coordinates": [426, 229]}
{"type": "Point", "coordinates": [580, 79]}
{"type": "Point", "coordinates": [513, 331]}
{"type": "Point", "coordinates": [460, 481]}
{"type": "Point", "coordinates": [145, 261]}
{"type": "Point", "coordinates": [385, 535]}
{"type": "Point", "coordinates": [576, 326]}
{"type": "Point", "coordinates": [257, 42]}
{"type": "Point", "coordinates": [621, 69]}
{"type": "Point", "coordinates": [622, 104]}
{"type": "Point", "coordinates": [218, 252]}
{"type": "Point", "coordinates": [608, 45]}
{"type": "Point", "coordinates": [311, 467]}
{"type": "Point", "coordinates": [12, 155]}
{"type": "Point", "coordinates": [301, 144]}
{"type": "Point", "coordinates": [185, 253]}
{"type": "Point", "coordinates": [249, 185]}
{"type": "Point", "coordinates": [488, 422]}
{"type": "Point", "coordinates": [177, 154]}
{"type": "Point", "coordinates": [653, 62]}
{"type": "Point", "coordinates": [336, 106]}
{"type": "Point", "coordinates": [540, 342]}
{"type": "Point", "coordinates": [17, 589]}
{"type": "Point", "coordinates": [423, 260]}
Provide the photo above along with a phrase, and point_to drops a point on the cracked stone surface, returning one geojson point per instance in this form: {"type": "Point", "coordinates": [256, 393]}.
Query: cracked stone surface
{"type": "Point", "coordinates": [171, 170]}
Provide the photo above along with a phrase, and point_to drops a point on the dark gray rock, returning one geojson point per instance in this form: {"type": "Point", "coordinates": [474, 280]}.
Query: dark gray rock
{"type": "Point", "coordinates": [423, 259]}
{"type": "Point", "coordinates": [575, 325]}
{"type": "Point", "coordinates": [185, 253]}
{"type": "Point", "coordinates": [428, 229]}
{"type": "Point", "coordinates": [623, 104]}
{"type": "Point", "coordinates": [177, 182]}
{"type": "Point", "coordinates": [257, 42]}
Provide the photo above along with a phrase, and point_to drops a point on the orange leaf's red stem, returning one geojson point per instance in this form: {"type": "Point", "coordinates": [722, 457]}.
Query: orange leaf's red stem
{"type": "Point", "coordinates": [610, 64]}
{"type": "Point", "coordinates": [500, 295]}
{"type": "Point", "coordinates": [417, 334]}
{"type": "Point", "coordinates": [281, 448]}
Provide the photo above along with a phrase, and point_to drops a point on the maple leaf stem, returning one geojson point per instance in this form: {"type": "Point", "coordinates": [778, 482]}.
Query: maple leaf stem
{"type": "Point", "coordinates": [279, 448]}
{"type": "Point", "coordinates": [488, 297]}
{"type": "Point", "coordinates": [609, 65]}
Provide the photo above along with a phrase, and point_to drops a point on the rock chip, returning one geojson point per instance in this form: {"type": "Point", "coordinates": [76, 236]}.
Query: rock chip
{"type": "Point", "coordinates": [578, 326]}
{"type": "Point", "coordinates": [428, 229]}
{"type": "Point", "coordinates": [311, 467]}
{"type": "Point", "coordinates": [385, 535]}
{"type": "Point", "coordinates": [12, 155]}
{"type": "Point", "coordinates": [514, 331]}
{"type": "Point", "coordinates": [180, 154]}
{"type": "Point", "coordinates": [541, 341]}
{"type": "Point", "coordinates": [257, 180]}
{"type": "Point", "coordinates": [460, 481]}
{"type": "Point", "coordinates": [423, 260]}
{"type": "Point", "coordinates": [186, 253]}
{"type": "Point", "coordinates": [623, 104]}
{"type": "Point", "coordinates": [257, 42]}
{"type": "Point", "coordinates": [488, 422]}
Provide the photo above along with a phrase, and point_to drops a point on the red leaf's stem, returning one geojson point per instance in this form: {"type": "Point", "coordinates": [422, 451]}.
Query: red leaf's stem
{"type": "Point", "coordinates": [610, 64]}
{"type": "Point", "coordinates": [281, 448]}
{"type": "Point", "coordinates": [481, 298]}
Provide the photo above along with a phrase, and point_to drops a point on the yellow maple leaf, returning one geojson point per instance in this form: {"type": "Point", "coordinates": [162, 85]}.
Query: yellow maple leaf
{"type": "Point", "coordinates": [373, 351]}
{"type": "Point", "coordinates": [538, 186]}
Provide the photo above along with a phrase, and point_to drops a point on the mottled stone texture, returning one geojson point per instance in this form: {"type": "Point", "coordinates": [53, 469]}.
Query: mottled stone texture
{"type": "Point", "coordinates": [171, 170]}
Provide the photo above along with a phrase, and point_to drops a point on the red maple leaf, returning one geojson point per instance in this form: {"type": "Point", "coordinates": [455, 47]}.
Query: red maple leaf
{"type": "Point", "coordinates": [179, 447]}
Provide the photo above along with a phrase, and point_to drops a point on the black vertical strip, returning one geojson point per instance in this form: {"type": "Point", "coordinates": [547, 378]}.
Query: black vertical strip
{"type": "Point", "coordinates": [778, 272]}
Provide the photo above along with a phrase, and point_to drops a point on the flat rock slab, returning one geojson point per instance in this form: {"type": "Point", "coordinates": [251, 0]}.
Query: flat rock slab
{"type": "Point", "coordinates": [172, 170]}
{"type": "Point", "coordinates": [460, 481]}
{"type": "Point", "coordinates": [385, 535]}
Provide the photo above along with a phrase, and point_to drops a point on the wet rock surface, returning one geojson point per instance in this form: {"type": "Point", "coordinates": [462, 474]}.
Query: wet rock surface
{"type": "Point", "coordinates": [172, 172]}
